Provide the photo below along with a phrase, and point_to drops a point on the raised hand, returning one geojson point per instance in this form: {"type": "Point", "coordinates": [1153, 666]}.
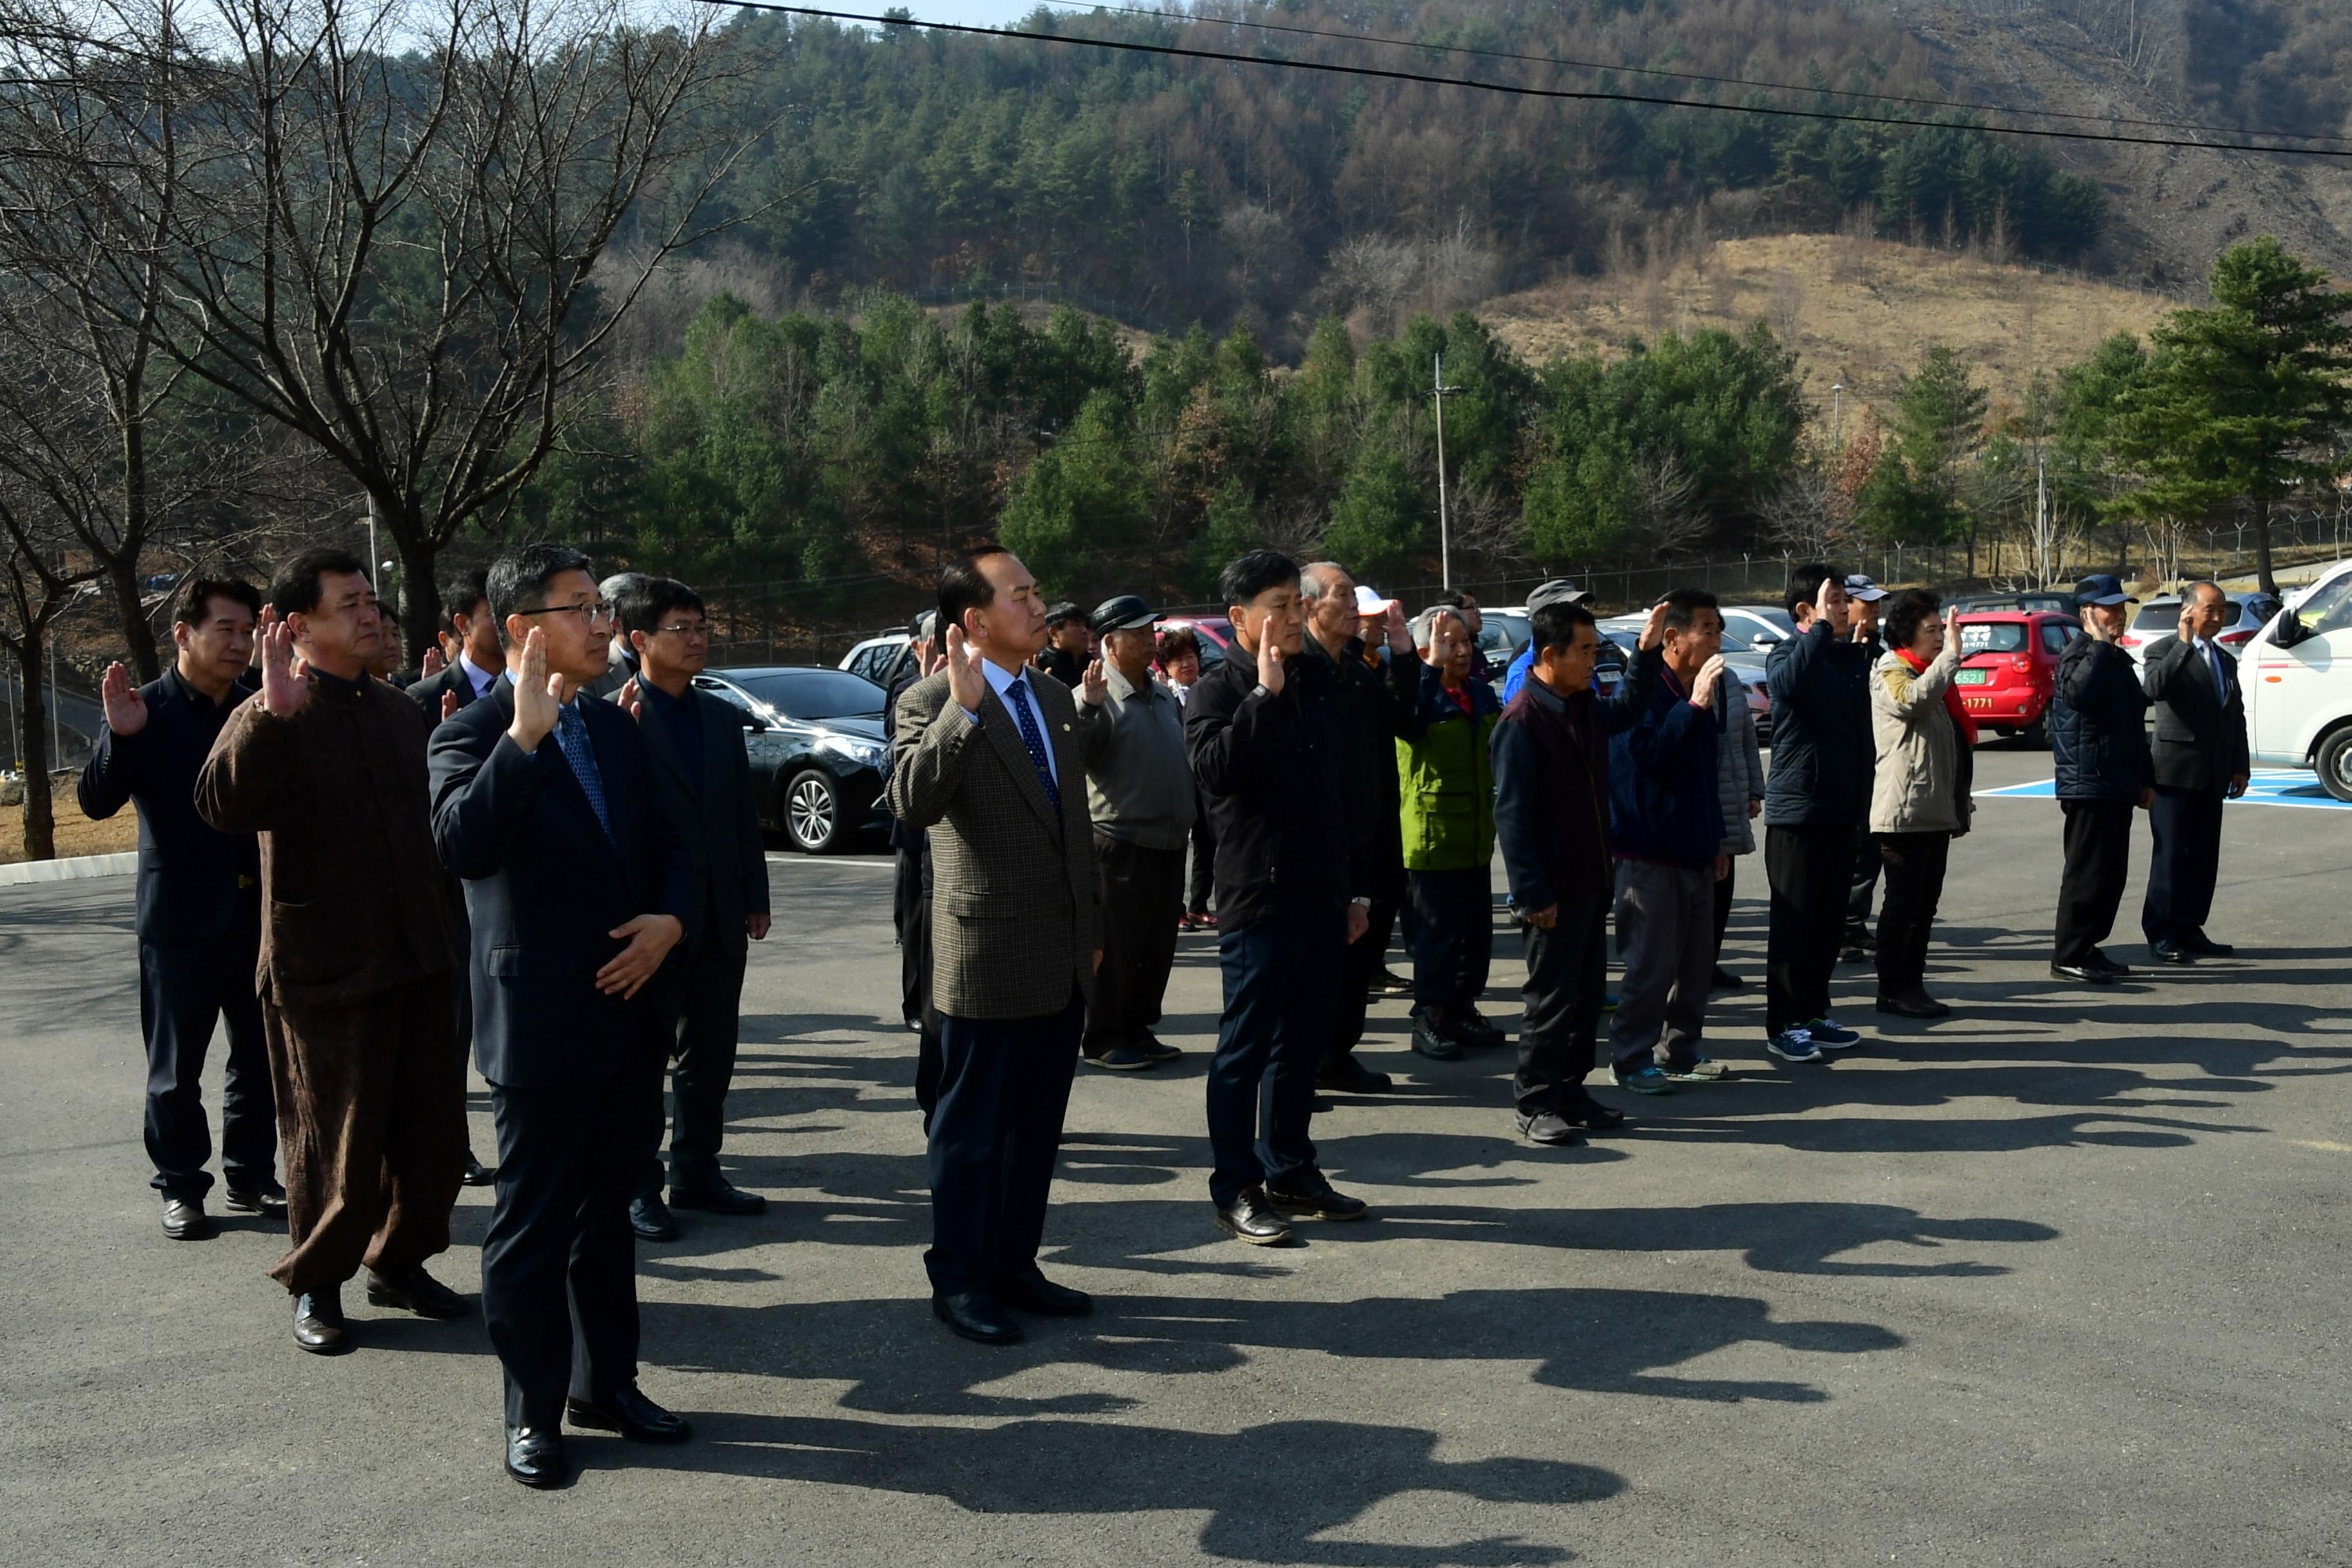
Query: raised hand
{"type": "Point", "coordinates": [1709, 682]}
{"type": "Point", "coordinates": [1444, 633]}
{"type": "Point", "coordinates": [967, 680]}
{"type": "Point", "coordinates": [1269, 661]}
{"type": "Point", "coordinates": [1400, 635]}
{"type": "Point", "coordinates": [126, 711]}
{"type": "Point", "coordinates": [632, 701]}
{"type": "Point", "coordinates": [1094, 688]}
{"type": "Point", "coordinates": [650, 938]}
{"type": "Point", "coordinates": [1821, 602]}
{"type": "Point", "coordinates": [433, 665]}
{"type": "Point", "coordinates": [1653, 630]}
{"type": "Point", "coordinates": [2188, 619]}
{"type": "Point", "coordinates": [449, 706]}
{"type": "Point", "coordinates": [537, 704]}
{"type": "Point", "coordinates": [284, 686]}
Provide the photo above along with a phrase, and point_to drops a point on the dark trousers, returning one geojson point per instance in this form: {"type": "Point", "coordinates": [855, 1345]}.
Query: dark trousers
{"type": "Point", "coordinates": [1811, 870]}
{"type": "Point", "coordinates": [910, 912]}
{"type": "Point", "coordinates": [1723, 894]}
{"type": "Point", "coordinates": [1568, 966]}
{"type": "Point", "coordinates": [371, 1120]}
{"type": "Point", "coordinates": [1453, 936]}
{"type": "Point", "coordinates": [1665, 920]}
{"type": "Point", "coordinates": [1865, 886]}
{"type": "Point", "coordinates": [1204, 857]}
{"type": "Point", "coordinates": [1357, 969]}
{"type": "Point", "coordinates": [709, 1000]}
{"type": "Point", "coordinates": [2098, 861]}
{"type": "Point", "coordinates": [1139, 893]}
{"type": "Point", "coordinates": [1915, 866]}
{"type": "Point", "coordinates": [2186, 825]}
{"type": "Point", "coordinates": [1282, 978]}
{"type": "Point", "coordinates": [1004, 1085]}
{"type": "Point", "coordinates": [559, 1264]}
{"type": "Point", "coordinates": [183, 989]}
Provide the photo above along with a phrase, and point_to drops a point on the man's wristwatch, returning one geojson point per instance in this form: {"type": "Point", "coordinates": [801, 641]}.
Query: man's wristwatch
{"type": "Point", "coordinates": [1360, 901]}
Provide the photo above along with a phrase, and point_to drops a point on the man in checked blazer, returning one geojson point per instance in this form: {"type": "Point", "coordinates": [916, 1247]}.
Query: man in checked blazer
{"type": "Point", "coordinates": [2199, 756]}
{"type": "Point", "coordinates": [986, 758]}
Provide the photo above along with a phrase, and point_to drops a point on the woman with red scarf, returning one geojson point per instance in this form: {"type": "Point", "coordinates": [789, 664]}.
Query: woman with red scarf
{"type": "Point", "coordinates": [1920, 800]}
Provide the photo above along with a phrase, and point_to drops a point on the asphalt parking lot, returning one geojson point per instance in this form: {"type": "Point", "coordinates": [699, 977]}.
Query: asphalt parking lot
{"type": "Point", "coordinates": [2060, 1279]}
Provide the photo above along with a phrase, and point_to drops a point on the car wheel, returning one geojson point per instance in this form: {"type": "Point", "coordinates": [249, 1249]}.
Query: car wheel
{"type": "Point", "coordinates": [814, 820]}
{"type": "Point", "coordinates": [2336, 762]}
{"type": "Point", "coordinates": [2037, 734]}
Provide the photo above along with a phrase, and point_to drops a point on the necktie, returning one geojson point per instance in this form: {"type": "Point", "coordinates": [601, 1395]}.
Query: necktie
{"type": "Point", "coordinates": [571, 735]}
{"type": "Point", "coordinates": [2213, 659]}
{"type": "Point", "coordinates": [1035, 739]}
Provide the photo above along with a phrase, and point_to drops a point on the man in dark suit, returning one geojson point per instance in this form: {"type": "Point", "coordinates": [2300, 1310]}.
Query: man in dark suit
{"type": "Point", "coordinates": [986, 759]}
{"type": "Point", "coordinates": [2199, 756]}
{"type": "Point", "coordinates": [2099, 746]}
{"type": "Point", "coordinates": [578, 886]}
{"type": "Point", "coordinates": [199, 910]}
{"type": "Point", "coordinates": [702, 772]}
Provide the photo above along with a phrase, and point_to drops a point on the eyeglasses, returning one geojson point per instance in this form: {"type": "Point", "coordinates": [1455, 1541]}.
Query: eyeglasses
{"type": "Point", "coordinates": [590, 614]}
{"type": "Point", "coordinates": [689, 629]}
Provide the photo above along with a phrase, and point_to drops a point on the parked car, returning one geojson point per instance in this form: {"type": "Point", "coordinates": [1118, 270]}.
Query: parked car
{"type": "Point", "coordinates": [2297, 674]}
{"type": "Point", "coordinates": [2009, 667]}
{"type": "Point", "coordinates": [2048, 601]}
{"type": "Point", "coordinates": [818, 759]}
{"type": "Point", "coordinates": [1754, 629]}
{"type": "Point", "coordinates": [1621, 634]}
{"type": "Point", "coordinates": [1501, 635]}
{"type": "Point", "coordinates": [881, 659]}
{"type": "Point", "coordinates": [1215, 632]}
{"type": "Point", "coordinates": [2241, 617]}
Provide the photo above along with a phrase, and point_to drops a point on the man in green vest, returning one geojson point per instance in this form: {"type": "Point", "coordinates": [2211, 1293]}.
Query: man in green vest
{"type": "Point", "coordinates": [1446, 788]}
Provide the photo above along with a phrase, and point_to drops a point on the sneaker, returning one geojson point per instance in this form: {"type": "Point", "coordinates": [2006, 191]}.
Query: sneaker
{"type": "Point", "coordinates": [1120, 1058]}
{"type": "Point", "coordinates": [1157, 1049]}
{"type": "Point", "coordinates": [1795, 1045]}
{"type": "Point", "coordinates": [1701, 1069]}
{"type": "Point", "coordinates": [1546, 1127]}
{"type": "Point", "coordinates": [1828, 1034]}
{"type": "Point", "coordinates": [1645, 1081]}
{"type": "Point", "coordinates": [1431, 1041]}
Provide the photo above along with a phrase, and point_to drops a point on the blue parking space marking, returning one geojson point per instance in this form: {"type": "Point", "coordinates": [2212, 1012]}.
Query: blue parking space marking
{"type": "Point", "coordinates": [2269, 786]}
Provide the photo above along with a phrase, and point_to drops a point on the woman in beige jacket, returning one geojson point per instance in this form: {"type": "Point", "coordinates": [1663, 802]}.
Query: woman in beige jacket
{"type": "Point", "coordinates": [1920, 799]}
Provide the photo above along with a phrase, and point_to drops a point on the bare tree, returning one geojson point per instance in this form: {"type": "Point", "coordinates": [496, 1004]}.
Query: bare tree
{"type": "Point", "coordinates": [40, 576]}
{"type": "Point", "coordinates": [1668, 520]}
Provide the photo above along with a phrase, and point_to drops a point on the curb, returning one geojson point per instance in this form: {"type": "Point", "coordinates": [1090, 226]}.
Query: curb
{"type": "Point", "coordinates": [74, 868]}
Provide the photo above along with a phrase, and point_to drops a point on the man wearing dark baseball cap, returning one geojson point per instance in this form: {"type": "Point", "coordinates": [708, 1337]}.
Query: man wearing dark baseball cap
{"type": "Point", "coordinates": [1064, 657]}
{"type": "Point", "coordinates": [2098, 739]}
{"type": "Point", "coordinates": [1559, 591]}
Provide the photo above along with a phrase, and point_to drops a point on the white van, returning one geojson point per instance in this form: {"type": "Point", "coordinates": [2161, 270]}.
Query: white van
{"type": "Point", "coordinates": [2298, 679]}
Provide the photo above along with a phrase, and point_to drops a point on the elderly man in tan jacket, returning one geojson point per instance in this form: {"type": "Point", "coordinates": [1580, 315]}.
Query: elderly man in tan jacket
{"type": "Point", "coordinates": [1919, 802]}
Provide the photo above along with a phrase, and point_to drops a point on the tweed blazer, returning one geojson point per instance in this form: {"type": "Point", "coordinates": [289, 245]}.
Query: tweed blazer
{"type": "Point", "coordinates": [1012, 879]}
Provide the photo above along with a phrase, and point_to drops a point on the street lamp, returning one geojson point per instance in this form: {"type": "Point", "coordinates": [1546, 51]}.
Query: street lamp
{"type": "Point", "coordinates": [1438, 393]}
{"type": "Point", "coordinates": [1837, 418]}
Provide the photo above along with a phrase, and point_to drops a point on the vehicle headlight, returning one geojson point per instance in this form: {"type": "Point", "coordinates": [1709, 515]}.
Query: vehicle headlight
{"type": "Point", "coordinates": [869, 753]}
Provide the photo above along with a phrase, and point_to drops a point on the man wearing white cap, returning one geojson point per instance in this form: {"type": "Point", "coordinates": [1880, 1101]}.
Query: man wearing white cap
{"type": "Point", "coordinates": [1862, 618]}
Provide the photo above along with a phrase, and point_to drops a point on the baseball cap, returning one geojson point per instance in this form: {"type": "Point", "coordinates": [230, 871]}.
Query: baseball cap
{"type": "Point", "coordinates": [1369, 602]}
{"type": "Point", "coordinates": [2102, 588]}
{"type": "Point", "coordinates": [1124, 613]}
{"type": "Point", "coordinates": [1860, 587]}
{"type": "Point", "coordinates": [1559, 591]}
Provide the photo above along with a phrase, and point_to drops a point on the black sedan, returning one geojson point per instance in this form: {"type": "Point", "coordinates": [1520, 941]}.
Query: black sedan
{"type": "Point", "coordinates": [818, 758]}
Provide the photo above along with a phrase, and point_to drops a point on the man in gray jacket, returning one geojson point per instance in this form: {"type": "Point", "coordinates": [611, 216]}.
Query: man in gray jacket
{"type": "Point", "coordinates": [1139, 794]}
{"type": "Point", "coordinates": [1739, 790]}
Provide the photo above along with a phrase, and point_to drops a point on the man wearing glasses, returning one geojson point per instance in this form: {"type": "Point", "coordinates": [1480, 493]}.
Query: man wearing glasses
{"type": "Point", "coordinates": [578, 886]}
{"type": "Point", "coordinates": [702, 772]}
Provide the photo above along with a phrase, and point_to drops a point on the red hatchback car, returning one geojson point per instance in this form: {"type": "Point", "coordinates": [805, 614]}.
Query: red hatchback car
{"type": "Point", "coordinates": [2009, 667]}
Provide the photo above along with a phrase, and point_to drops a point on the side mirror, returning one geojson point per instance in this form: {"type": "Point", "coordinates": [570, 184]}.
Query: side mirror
{"type": "Point", "coordinates": [1765, 640]}
{"type": "Point", "coordinates": [754, 725]}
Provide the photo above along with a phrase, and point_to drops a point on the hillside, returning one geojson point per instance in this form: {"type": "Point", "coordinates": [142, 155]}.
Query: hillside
{"type": "Point", "coordinates": [1858, 312]}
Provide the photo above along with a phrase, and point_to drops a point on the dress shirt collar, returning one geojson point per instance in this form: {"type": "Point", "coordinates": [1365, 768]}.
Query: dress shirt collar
{"type": "Point", "coordinates": [1000, 682]}
{"type": "Point", "coordinates": [482, 679]}
{"type": "Point", "coordinates": [571, 709]}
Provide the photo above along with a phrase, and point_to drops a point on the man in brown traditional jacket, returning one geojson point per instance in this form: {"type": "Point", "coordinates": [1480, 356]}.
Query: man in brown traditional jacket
{"type": "Point", "coordinates": [327, 764]}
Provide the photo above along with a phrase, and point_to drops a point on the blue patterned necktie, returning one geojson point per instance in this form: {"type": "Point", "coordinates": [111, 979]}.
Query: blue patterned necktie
{"type": "Point", "coordinates": [571, 735]}
{"type": "Point", "coordinates": [1035, 739]}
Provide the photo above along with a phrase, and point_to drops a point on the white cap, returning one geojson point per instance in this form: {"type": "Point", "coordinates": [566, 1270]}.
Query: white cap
{"type": "Point", "coordinates": [1370, 603]}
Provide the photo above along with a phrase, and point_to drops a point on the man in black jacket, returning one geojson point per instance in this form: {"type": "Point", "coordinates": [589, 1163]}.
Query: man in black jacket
{"type": "Point", "coordinates": [199, 918]}
{"type": "Point", "coordinates": [1373, 707]}
{"type": "Point", "coordinates": [578, 886]}
{"type": "Point", "coordinates": [2200, 758]}
{"type": "Point", "coordinates": [1292, 892]}
{"type": "Point", "coordinates": [702, 772]}
{"type": "Point", "coordinates": [2098, 740]}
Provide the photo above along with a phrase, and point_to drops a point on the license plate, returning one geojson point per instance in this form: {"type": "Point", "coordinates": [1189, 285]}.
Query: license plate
{"type": "Point", "coordinates": [1983, 703]}
{"type": "Point", "coordinates": [1973, 678]}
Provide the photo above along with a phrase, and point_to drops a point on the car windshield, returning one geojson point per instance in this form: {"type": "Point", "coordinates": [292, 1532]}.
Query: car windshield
{"type": "Point", "coordinates": [814, 693]}
{"type": "Point", "coordinates": [1993, 637]}
{"type": "Point", "coordinates": [2330, 609]}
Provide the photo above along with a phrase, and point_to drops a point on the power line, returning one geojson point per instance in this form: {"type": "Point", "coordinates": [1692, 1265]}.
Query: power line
{"type": "Point", "coordinates": [1082, 9]}
{"type": "Point", "coordinates": [1576, 95]}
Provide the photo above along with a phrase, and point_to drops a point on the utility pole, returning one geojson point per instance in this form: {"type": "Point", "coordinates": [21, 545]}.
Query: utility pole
{"type": "Point", "coordinates": [1837, 418]}
{"type": "Point", "coordinates": [2042, 562]}
{"type": "Point", "coordinates": [1438, 393]}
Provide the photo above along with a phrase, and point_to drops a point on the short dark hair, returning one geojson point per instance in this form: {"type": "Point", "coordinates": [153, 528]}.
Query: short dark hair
{"type": "Point", "coordinates": [195, 604]}
{"type": "Point", "coordinates": [515, 582]}
{"type": "Point", "coordinates": [1174, 644]}
{"type": "Point", "coordinates": [1805, 583]}
{"type": "Point", "coordinates": [294, 588]}
{"type": "Point", "coordinates": [460, 597]}
{"type": "Point", "coordinates": [963, 586]}
{"type": "Point", "coordinates": [1458, 599]}
{"type": "Point", "coordinates": [1247, 576]}
{"type": "Point", "coordinates": [1555, 625]}
{"type": "Point", "coordinates": [1905, 612]}
{"type": "Point", "coordinates": [647, 602]}
{"type": "Point", "coordinates": [1682, 605]}
{"type": "Point", "coordinates": [1062, 615]}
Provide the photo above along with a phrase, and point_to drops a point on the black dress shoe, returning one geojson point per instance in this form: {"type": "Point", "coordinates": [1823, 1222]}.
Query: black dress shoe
{"type": "Point", "coordinates": [1478, 1030]}
{"type": "Point", "coordinates": [1157, 1049]}
{"type": "Point", "coordinates": [1036, 1293]}
{"type": "Point", "coordinates": [535, 1455]}
{"type": "Point", "coordinates": [631, 1414]}
{"type": "Point", "coordinates": [1913, 1004]}
{"type": "Point", "coordinates": [1311, 1197]}
{"type": "Point", "coordinates": [2204, 946]}
{"type": "Point", "coordinates": [2099, 960]}
{"type": "Point", "coordinates": [650, 1218]}
{"type": "Point", "coordinates": [1251, 1220]}
{"type": "Point", "coordinates": [715, 1194]}
{"type": "Point", "coordinates": [1725, 980]}
{"type": "Point", "coordinates": [1596, 1116]}
{"type": "Point", "coordinates": [1388, 982]}
{"type": "Point", "coordinates": [476, 1173]}
{"type": "Point", "coordinates": [974, 1315]}
{"type": "Point", "coordinates": [414, 1291]}
{"type": "Point", "coordinates": [1353, 1077]}
{"type": "Point", "coordinates": [318, 1325]}
{"type": "Point", "coordinates": [2164, 949]}
{"type": "Point", "coordinates": [268, 1202]}
{"type": "Point", "coordinates": [2083, 972]}
{"type": "Point", "coordinates": [184, 1219]}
